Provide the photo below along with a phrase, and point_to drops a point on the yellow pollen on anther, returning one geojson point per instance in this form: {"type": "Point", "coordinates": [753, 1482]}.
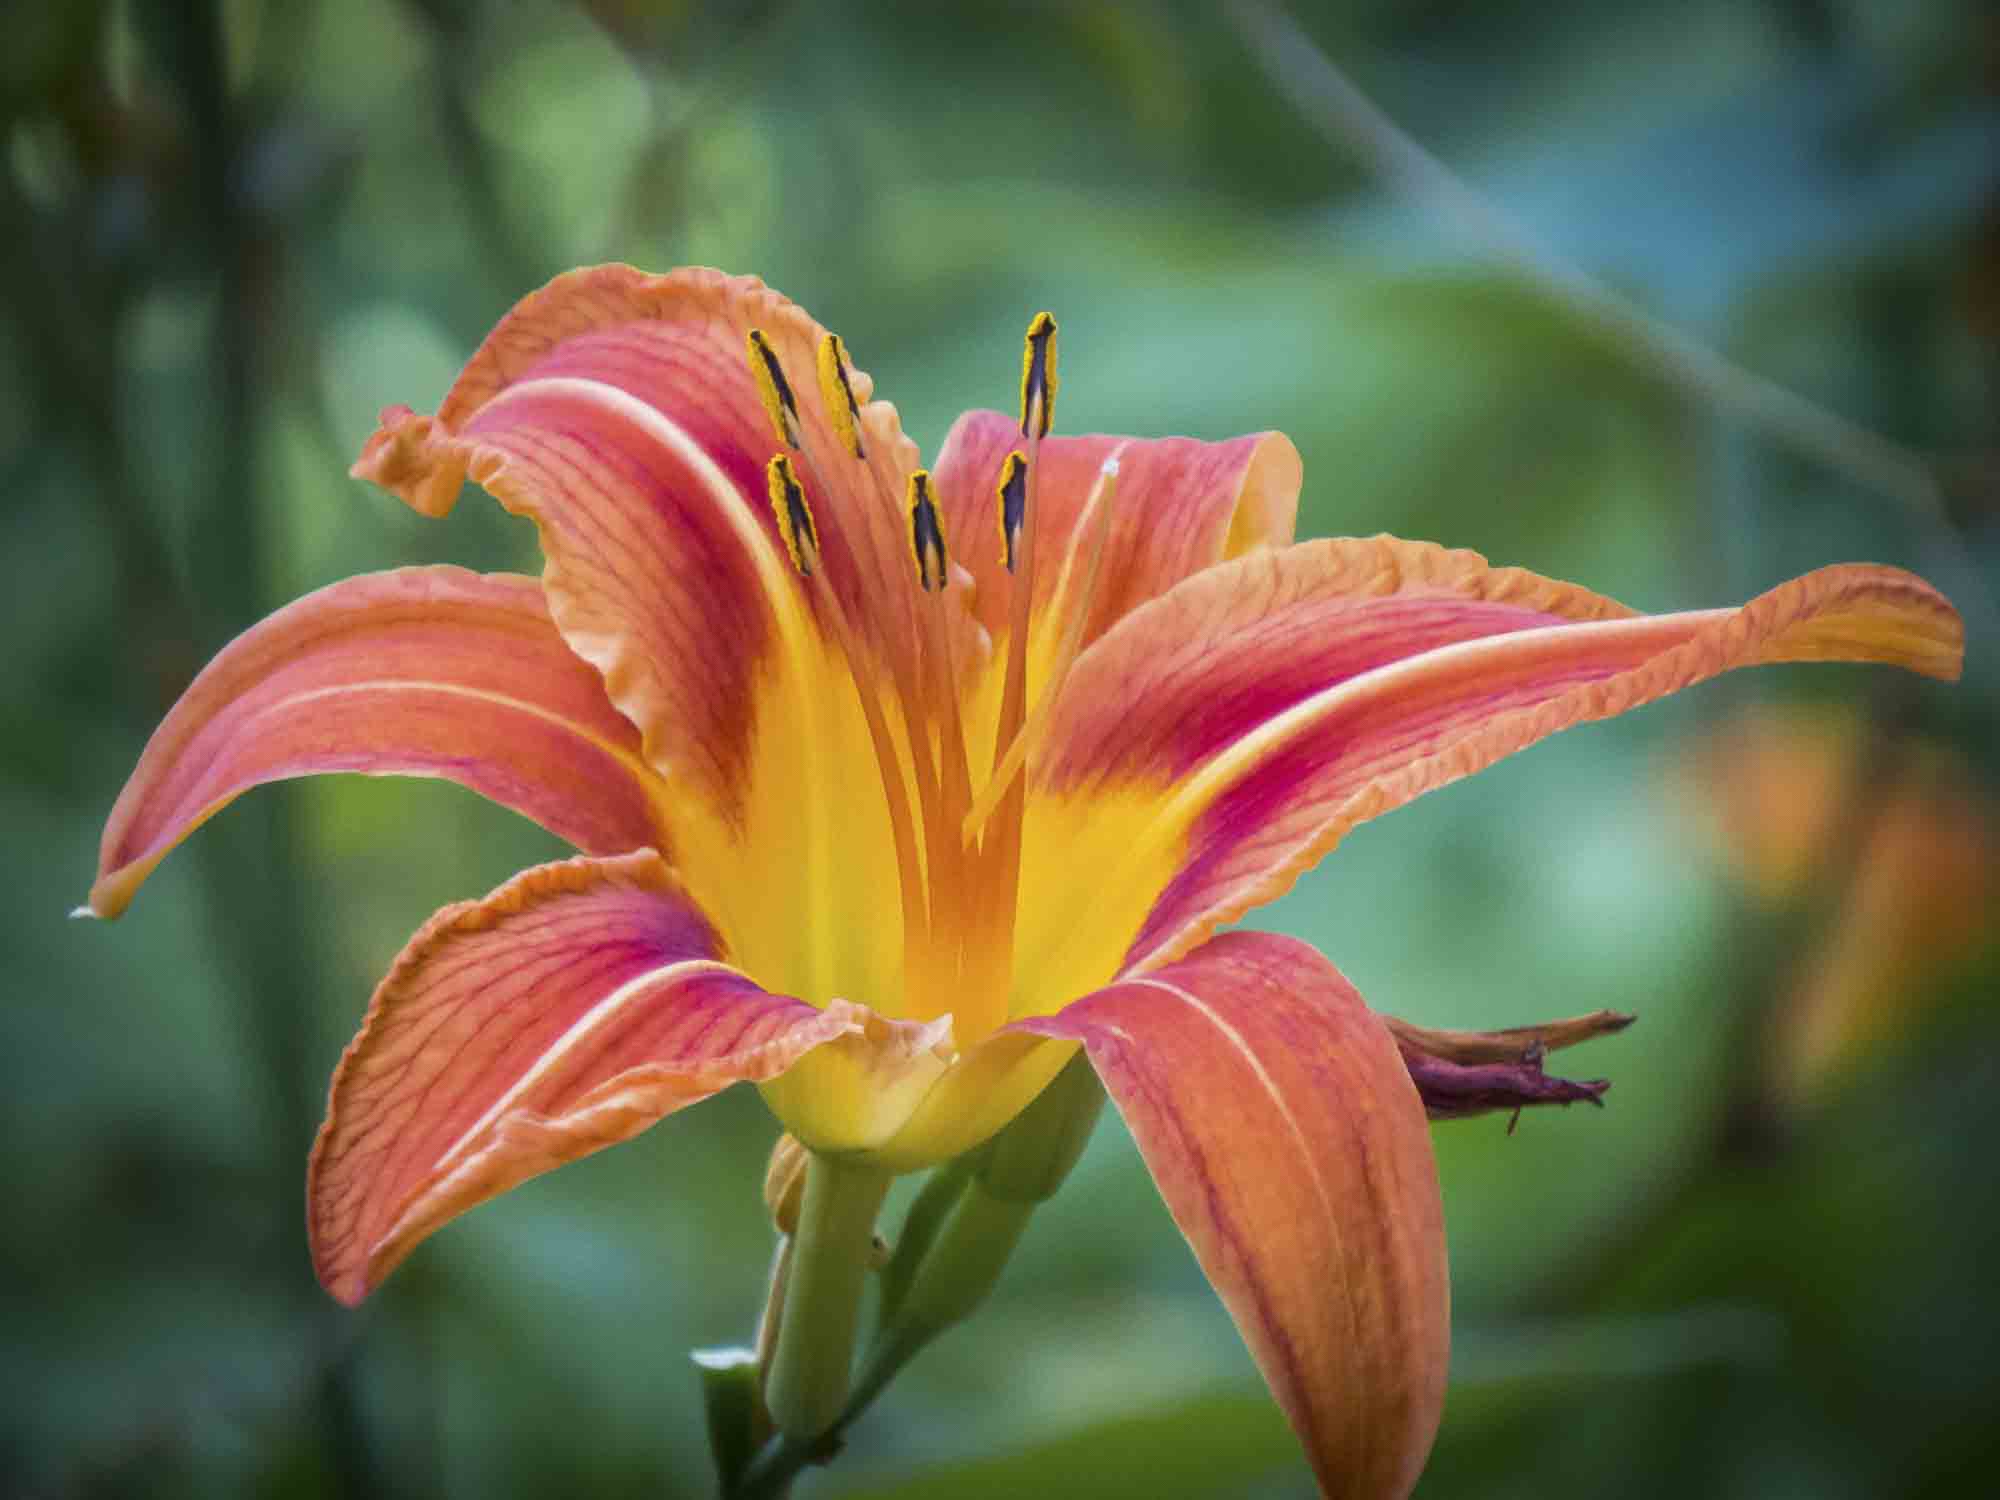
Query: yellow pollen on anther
{"type": "Point", "coordinates": [1038, 377]}
{"type": "Point", "coordinates": [1013, 497]}
{"type": "Point", "coordinates": [794, 515]}
{"type": "Point", "coordinates": [773, 388]}
{"type": "Point", "coordinates": [837, 391]}
{"type": "Point", "coordinates": [926, 533]}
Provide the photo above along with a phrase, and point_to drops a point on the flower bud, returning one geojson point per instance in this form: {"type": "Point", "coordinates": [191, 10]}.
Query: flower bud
{"type": "Point", "coordinates": [1465, 1073]}
{"type": "Point", "coordinates": [1029, 1160]}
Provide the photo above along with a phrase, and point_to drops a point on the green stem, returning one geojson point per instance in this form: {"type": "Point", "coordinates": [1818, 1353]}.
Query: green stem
{"type": "Point", "coordinates": [955, 1272]}
{"type": "Point", "coordinates": [958, 1274]}
{"type": "Point", "coordinates": [807, 1383]}
{"type": "Point", "coordinates": [783, 1459]}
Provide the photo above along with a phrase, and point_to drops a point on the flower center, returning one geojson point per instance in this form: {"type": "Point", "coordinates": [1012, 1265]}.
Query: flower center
{"type": "Point", "coordinates": [958, 842]}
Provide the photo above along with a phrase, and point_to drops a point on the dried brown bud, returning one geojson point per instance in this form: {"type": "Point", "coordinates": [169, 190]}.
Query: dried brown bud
{"type": "Point", "coordinates": [785, 1182]}
{"type": "Point", "coordinates": [1465, 1073]}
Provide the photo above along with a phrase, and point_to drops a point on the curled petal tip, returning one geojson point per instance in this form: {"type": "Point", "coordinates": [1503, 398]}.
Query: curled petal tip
{"type": "Point", "coordinates": [112, 892]}
{"type": "Point", "coordinates": [408, 457]}
{"type": "Point", "coordinates": [348, 1291]}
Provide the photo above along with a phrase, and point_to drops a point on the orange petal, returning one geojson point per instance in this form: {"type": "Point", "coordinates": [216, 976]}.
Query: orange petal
{"type": "Point", "coordinates": [1281, 1127]}
{"type": "Point", "coordinates": [1264, 708]}
{"type": "Point", "coordinates": [618, 411]}
{"type": "Point", "coordinates": [567, 1011]}
{"type": "Point", "coordinates": [422, 672]}
{"type": "Point", "coordinates": [1181, 506]}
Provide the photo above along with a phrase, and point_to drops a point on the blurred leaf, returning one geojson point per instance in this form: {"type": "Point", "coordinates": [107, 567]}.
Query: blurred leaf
{"type": "Point", "coordinates": [1208, 1446]}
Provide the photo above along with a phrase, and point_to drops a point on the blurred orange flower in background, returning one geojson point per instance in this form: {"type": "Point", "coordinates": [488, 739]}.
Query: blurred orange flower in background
{"type": "Point", "coordinates": [1886, 848]}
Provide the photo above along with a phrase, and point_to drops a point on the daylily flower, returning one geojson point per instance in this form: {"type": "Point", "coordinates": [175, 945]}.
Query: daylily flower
{"type": "Point", "coordinates": [895, 789]}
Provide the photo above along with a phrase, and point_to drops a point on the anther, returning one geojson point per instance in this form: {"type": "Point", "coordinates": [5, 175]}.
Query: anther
{"type": "Point", "coordinates": [774, 389]}
{"type": "Point", "coordinates": [1013, 505]}
{"type": "Point", "coordinates": [837, 391]}
{"type": "Point", "coordinates": [795, 517]}
{"type": "Point", "coordinates": [926, 533]}
{"type": "Point", "coordinates": [1038, 377]}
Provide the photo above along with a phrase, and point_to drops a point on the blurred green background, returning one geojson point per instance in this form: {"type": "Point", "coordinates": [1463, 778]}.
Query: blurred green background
{"type": "Point", "coordinates": [231, 231]}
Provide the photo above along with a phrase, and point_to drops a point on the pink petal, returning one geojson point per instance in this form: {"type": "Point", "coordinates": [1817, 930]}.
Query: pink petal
{"type": "Point", "coordinates": [567, 1011]}
{"type": "Point", "coordinates": [1274, 702]}
{"type": "Point", "coordinates": [1180, 506]}
{"type": "Point", "coordinates": [422, 672]}
{"type": "Point", "coordinates": [1281, 1127]}
{"type": "Point", "coordinates": [618, 411]}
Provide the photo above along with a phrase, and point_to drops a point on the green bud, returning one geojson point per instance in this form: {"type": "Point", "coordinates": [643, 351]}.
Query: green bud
{"type": "Point", "coordinates": [966, 1251]}
{"type": "Point", "coordinates": [921, 1226]}
{"type": "Point", "coordinates": [1030, 1158]}
{"type": "Point", "coordinates": [966, 1259]}
{"type": "Point", "coordinates": [966, 1222]}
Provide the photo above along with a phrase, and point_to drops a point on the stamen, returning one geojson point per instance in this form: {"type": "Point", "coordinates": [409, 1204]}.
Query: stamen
{"type": "Point", "coordinates": [935, 927]}
{"type": "Point", "coordinates": [950, 895]}
{"type": "Point", "coordinates": [1038, 368]}
{"type": "Point", "coordinates": [1013, 494]}
{"type": "Point", "coordinates": [1038, 377]}
{"type": "Point", "coordinates": [938, 692]}
{"type": "Point", "coordinates": [795, 517]}
{"type": "Point", "coordinates": [795, 522]}
{"type": "Point", "coordinates": [837, 392]}
{"type": "Point", "coordinates": [1078, 616]}
{"type": "Point", "coordinates": [926, 533]}
{"type": "Point", "coordinates": [939, 820]}
{"type": "Point", "coordinates": [1000, 853]}
{"type": "Point", "coordinates": [775, 390]}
